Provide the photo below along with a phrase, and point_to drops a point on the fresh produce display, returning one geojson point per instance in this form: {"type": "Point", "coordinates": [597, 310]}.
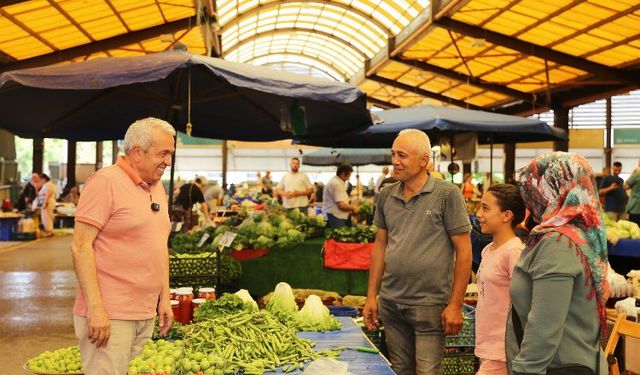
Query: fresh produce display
{"type": "Point", "coordinates": [283, 303]}
{"type": "Point", "coordinates": [365, 209]}
{"type": "Point", "coordinates": [198, 270]}
{"type": "Point", "coordinates": [187, 243]}
{"type": "Point", "coordinates": [314, 316]}
{"type": "Point", "coordinates": [174, 332]}
{"type": "Point", "coordinates": [358, 234]}
{"type": "Point", "coordinates": [163, 357]}
{"type": "Point", "coordinates": [228, 304]}
{"type": "Point", "coordinates": [61, 361]}
{"type": "Point", "coordinates": [252, 343]}
{"type": "Point", "coordinates": [244, 295]}
{"type": "Point", "coordinates": [620, 229]}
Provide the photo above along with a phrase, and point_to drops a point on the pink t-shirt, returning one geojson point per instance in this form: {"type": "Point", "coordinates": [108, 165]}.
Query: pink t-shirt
{"type": "Point", "coordinates": [131, 246]}
{"type": "Point", "coordinates": [494, 276]}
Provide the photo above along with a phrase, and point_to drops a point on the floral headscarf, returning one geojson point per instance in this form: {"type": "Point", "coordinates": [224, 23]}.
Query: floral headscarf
{"type": "Point", "coordinates": [560, 192]}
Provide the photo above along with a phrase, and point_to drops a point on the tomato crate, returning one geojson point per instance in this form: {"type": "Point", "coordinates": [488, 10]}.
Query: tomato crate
{"type": "Point", "coordinates": [467, 336]}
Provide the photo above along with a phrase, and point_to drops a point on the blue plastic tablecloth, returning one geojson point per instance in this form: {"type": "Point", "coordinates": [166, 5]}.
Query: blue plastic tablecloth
{"type": "Point", "coordinates": [625, 248]}
{"type": "Point", "coordinates": [350, 336]}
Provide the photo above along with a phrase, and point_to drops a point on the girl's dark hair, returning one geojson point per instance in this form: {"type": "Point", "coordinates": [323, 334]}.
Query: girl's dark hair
{"type": "Point", "coordinates": [509, 198]}
{"type": "Point", "coordinates": [44, 177]}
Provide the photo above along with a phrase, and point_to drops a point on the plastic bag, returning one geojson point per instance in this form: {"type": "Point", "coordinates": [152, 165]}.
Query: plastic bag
{"type": "Point", "coordinates": [326, 366]}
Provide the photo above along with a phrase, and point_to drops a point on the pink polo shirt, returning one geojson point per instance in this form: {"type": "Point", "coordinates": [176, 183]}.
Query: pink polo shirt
{"type": "Point", "coordinates": [131, 246]}
{"type": "Point", "coordinates": [494, 277]}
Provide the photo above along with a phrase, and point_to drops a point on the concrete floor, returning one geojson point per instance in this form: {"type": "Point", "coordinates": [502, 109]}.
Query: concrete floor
{"type": "Point", "coordinates": [37, 290]}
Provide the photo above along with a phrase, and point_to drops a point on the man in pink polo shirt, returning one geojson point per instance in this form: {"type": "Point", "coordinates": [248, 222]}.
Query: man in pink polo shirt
{"type": "Point", "coordinates": [120, 251]}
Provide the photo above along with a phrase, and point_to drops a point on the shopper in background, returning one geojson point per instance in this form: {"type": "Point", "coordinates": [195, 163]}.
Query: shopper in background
{"type": "Point", "coordinates": [423, 234]}
{"type": "Point", "coordinates": [213, 196]}
{"type": "Point", "coordinates": [29, 193]}
{"type": "Point", "coordinates": [267, 183]}
{"type": "Point", "coordinates": [633, 206]}
{"type": "Point", "coordinates": [501, 210]}
{"type": "Point", "coordinates": [120, 253]}
{"type": "Point", "coordinates": [295, 188]}
{"type": "Point", "coordinates": [615, 198]}
{"type": "Point", "coordinates": [383, 175]}
{"type": "Point", "coordinates": [559, 285]}
{"type": "Point", "coordinates": [469, 190]}
{"type": "Point", "coordinates": [335, 201]}
{"type": "Point", "coordinates": [47, 202]}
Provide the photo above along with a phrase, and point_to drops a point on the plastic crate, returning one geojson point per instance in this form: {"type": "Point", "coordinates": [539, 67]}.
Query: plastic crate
{"type": "Point", "coordinates": [7, 228]}
{"type": "Point", "coordinates": [193, 272]}
{"type": "Point", "coordinates": [462, 363]}
{"type": "Point", "coordinates": [378, 340]}
{"type": "Point", "coordinates": [467, 336]}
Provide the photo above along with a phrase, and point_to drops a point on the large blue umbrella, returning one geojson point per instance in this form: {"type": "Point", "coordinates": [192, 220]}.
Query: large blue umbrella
{"type": "Point", "coordinates": [439, 122]}
{"type": "Point", "coordinates": [98, 99]}
{"type": "Point", "coordinates": [361, 156]}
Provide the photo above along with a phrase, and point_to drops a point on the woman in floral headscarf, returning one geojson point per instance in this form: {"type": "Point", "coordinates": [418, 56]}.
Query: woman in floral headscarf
{"type": "Point", "coordinates": [559, 285]}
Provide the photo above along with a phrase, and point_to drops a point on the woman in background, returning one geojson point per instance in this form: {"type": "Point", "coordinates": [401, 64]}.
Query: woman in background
{"type": "Point", "coordinates": [47, 199]}
{"type": "Point", "coordinates": [559, 285]}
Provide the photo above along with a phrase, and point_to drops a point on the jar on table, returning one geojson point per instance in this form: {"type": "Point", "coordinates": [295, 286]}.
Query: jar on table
{"type": "Point", "coordinates": [207, 293]}
{"type": "Point", "coordinates": [185, 312]}
{"type": "Point", "coordinates": [175, 308]}
{"type": "Point", "coordinates": [196, 303]}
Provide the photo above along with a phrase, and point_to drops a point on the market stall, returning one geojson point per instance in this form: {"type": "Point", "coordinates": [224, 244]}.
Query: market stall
{"type": "Point", "coordinates": [302, 267]}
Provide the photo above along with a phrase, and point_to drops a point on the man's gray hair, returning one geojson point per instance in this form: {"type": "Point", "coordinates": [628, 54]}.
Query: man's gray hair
{"type": "Point", "coordinates": [420, 140]}
{"type": "Point", "coordinates": [141, 133]}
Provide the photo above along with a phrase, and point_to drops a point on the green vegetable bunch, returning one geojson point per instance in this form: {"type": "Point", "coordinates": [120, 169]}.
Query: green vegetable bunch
{"type": "Point", "coordinates": [357, 234]}
{"type": "Point", "coordinates": [365, 209]}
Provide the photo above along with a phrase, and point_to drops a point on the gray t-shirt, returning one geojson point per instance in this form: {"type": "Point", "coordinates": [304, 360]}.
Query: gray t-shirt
{"type": "Point", "coordinates": [419, 254]}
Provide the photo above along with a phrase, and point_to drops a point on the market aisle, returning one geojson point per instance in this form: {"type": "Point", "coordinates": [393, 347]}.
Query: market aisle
{"type": "Point", "coordinates": [37, 288]}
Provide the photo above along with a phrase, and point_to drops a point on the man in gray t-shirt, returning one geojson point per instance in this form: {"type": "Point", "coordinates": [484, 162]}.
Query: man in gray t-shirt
{"type": "Point", "coordinates": [421, 260]}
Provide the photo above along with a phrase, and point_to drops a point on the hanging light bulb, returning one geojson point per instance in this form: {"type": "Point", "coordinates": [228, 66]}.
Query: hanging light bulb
{"type": "Point", "coordinates": [189, 128]}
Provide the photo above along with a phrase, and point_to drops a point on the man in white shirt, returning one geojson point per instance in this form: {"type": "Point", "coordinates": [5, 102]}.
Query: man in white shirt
{"type": "Point", "coordinates": [335, 201]}
{"type": "Point", "coordinates": [295, 188]}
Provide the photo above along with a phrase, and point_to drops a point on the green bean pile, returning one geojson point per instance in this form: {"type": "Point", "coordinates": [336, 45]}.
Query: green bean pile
{"type": "Point", "coordinates": [253, 343]}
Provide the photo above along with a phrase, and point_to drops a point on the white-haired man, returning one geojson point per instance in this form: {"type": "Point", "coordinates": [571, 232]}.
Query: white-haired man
{"type": "Point", "coordinates": [120, 252]}
{"type": "Point", "coordinates": [423, 234]}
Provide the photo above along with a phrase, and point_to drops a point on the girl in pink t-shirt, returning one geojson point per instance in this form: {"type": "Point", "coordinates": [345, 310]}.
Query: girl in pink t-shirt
{"type": "Point", "coordinates": [501, 210]}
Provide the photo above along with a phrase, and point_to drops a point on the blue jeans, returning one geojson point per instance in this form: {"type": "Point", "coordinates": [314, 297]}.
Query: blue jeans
{"type": "Point", "coordinates": [415, 337]}
{"type": "Point", "coordinates": [334, 222]}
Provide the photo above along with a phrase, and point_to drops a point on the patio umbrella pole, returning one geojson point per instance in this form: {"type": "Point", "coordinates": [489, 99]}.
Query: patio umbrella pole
{"type": "Point", "coordinates": [491, 162]}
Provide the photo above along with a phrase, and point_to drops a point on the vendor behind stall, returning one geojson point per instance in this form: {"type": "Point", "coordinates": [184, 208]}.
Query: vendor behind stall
{"type": "Point", "coordinates": [335, 201]}
{"type": "Point", "coordinates": [190, 194]}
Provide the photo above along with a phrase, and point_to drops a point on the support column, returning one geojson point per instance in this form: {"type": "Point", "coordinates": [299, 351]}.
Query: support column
{"type": "Point", "coordinates": [509, 162]}
{"type": "Point", "coordinates": [561, 120]}
{"type": "Point", "coordinates": [38, 154]}
{"type": "Point", "coordinates": [71, 163]}
{"type": "Point", "coordinates": [98, 155]}
{"type": "Point", "coordinates": [114, 151]}
{"type": "Point", "coordinates": [225, 161]}
{"type": "Point", "coordinates": [608, 136]}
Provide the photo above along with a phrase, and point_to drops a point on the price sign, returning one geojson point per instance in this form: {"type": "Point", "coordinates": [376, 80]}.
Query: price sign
{"type": "Point", "coordinates": [227, 239]}
{"type": "Point", "coordinates": [203, 239]}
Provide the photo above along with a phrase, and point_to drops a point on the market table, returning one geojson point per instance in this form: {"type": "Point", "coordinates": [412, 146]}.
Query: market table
{"type": "Point", "coordinates": [301, 267]}
{"type": "Point", "coordinates": [350, 336]}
